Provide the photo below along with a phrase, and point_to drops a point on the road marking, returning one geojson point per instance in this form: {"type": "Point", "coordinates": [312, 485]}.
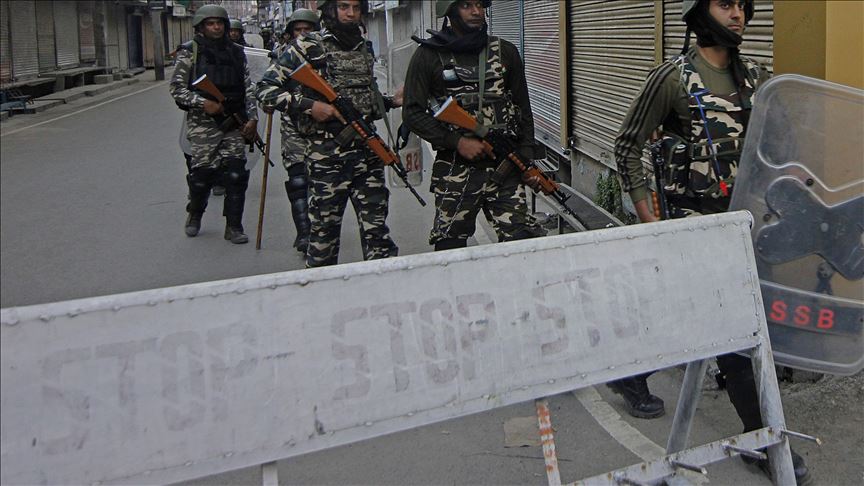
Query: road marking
{"type": "Point", "coordinates": [626, 435]}
{"type": "Point", "coordinates": [83, 109]}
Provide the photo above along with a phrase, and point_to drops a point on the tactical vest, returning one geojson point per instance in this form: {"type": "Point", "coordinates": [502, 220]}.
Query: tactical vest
{"type": "Point", "coordinates": [350, 73]}
{"type": "Point", "coordinates": [226, 69]}
{"type": "Point", "coordinates": [463, 84]}
{"type": "Point", "coordinates": [717, 128]}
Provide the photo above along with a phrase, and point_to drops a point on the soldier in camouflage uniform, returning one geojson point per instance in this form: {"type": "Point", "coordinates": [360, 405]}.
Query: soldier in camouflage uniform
{"type": "Point", "coordinates": [703, 99]}
{"type": "Point", "coordinates": [217, 138]}
{"type": "Point", "coordinates": [302, 22]}
{"type": "Point", "coordinates": [236, 33]}
{"type": "Point", "coordinates": [344, 169]}
{"type": "Point", "coordinates": [448, 64]}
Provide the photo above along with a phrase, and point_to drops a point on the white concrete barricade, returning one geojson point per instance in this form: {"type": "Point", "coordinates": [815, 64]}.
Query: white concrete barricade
{"type": "Point", "coordinates": [178, 383]}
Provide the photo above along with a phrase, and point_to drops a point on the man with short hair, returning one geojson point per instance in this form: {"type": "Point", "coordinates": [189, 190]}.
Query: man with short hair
{"type": "Point", "coordinates": [216, 135]}
{"type": "Point", "coordinates": [463, 180]}
{"type": "Point", "coordinates": [702, 98]}
{"type": "Point", "coordinates": [343, 170]}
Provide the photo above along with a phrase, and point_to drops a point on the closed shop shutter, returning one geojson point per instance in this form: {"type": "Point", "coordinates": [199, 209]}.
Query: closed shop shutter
{"type": "Point", "coordinates": [86, 34]}
{"type": "Point", "coordinates": [147, 39]}
{"type": "Point", "coordinates": [505, 21]}
{"type": "Point", "coordinates": [758, 36]}
{"type": "Point", "coordinates": [122, 36]}
{"type": "Point", "coordinates": [5, 45]}
{"type": "Point", "coordinates": [612, 51]}
{"type": "Point", "coordinates": [66, 30]}
{"type": "Point", "coordinates": [45, 35]}
{"type": "Point", "coordinates": [543, 66]}
{"type": "Point", "coordinates": [112, 55]}
{"type": "Point", "coordinates": [134, 37]}
{"type": "Point", "coordinates": [25, 50]}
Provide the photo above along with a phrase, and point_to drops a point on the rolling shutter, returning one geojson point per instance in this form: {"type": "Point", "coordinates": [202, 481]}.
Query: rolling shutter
{"type": "Point", "coordinates": [5, 45]}
{"type": "Point", "coordinates": [612, 49]}
{"type": "Point", "coordinates": [45, 35]}
{"type": "Point", "coordinates": [25, 50]}
{"type": "Point", "coordinates": [758, 36]}
{"type": "Point", "coordinates": [505, 21]}
{"type": "Point", "coordinates": [66, 31]}
{"type": "Point", "coordinates": [86, 33]}
{"type": "Point", "coordinates": [542, 54]}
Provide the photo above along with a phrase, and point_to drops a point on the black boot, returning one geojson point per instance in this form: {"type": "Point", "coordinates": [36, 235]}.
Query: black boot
{"type": "Point", "coordinates": [297, 189]}
{"type": "Point", "coordinates": [638, 401]}
{"type": "Point", "coordinates": [199, 181]}
{"type": "Point", "coordinates": [234, 233]}
{"type": "Point", "coordinates": [193, 224]}
{"type": "Point", "coordinates": [802, 472]}
{"type": "Point", "coordinates": [235, 178]}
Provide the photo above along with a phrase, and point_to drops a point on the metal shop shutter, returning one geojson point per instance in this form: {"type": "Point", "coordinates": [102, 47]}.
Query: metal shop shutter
{"type": "Point", "coordinates": [758, 36]}
{"type": "Point", "coordinates": [45, 35]}
{"type": "Point", "coordinates": [25, 46]}
{"type": "Point", "coordinates": [505, 21]}
{"type": "Point", "coordinates": [612, 51]}
{"type": "Point", "coordinates": [5, 47]}
{"type": "Point", "coordinates": [112, 56]}
{"type": "Point", "coordinates": [66, 30]}
{"type": "Point", "coordinates": [542, 53]}
{"type": "Point", "coordinates": [86, 33]}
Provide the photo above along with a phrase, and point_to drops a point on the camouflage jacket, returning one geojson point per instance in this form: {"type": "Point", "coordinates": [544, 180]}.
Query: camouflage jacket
{"type": "Point", "coordinates": [184, 95]}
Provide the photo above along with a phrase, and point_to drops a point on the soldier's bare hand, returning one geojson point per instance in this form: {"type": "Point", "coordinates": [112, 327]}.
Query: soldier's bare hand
{"type": "Point", "coordinates": [213, 107]}
{"type": "Point", "coordinates": [323, 112]}
{"type": "Point", "coordinates": [249, 129]}
{"type": "Point", "coordinates": [470, 148]}
{"type": "Point", "coordinates": [399, 96]}
{"type": "Point", "coordinates": [644, 211]}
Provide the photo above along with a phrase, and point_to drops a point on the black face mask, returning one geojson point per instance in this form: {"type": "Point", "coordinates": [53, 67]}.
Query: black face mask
{"type": "Point", "coordinates": [220, 43]}
{"type": "Point", "coordinates": [471, 41]}
{"type": "Point", "coordinates": [348, 35]}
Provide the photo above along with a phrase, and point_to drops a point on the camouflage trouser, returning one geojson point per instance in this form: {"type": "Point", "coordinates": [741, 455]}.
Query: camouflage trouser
{"type": "Point", "coordinates": [462, 190]}
{"type": "Point", "coordinates": [293, 145]}
{"type": "Point", "coordinates": [333, 181]}
{"type": "Point", "coordinates": [211, 146]}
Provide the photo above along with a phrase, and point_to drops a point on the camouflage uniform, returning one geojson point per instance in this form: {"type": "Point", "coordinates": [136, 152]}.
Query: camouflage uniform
{"type": "Point", "coordinates": [463, 188]}
{"type": "Point", "coordinates": [213, 151]}
{"type": "Point", "coordinates": [336, 172]}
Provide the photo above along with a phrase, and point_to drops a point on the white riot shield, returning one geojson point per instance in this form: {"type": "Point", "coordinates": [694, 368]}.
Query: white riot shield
{"type": "Point", "coordinates": [411, 155]}
{"type": "Point", "coordinates": [258, 60]}
{"type": "Point", "coordinates": [802, 177]}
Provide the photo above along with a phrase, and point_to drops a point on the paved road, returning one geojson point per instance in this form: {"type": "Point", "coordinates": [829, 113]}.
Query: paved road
{"type": "Point", "coordinates": [93, 204]}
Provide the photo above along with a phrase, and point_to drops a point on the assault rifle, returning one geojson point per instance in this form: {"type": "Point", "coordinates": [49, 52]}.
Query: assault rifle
{"type": "Point", "coordinates": [500, 148]}
{"type": "Point", "coordinates": [659, 164]}
{"type": "Point", "coordinates": [307, 76]}
{"type": "Point", "coordinates": [204, 84]}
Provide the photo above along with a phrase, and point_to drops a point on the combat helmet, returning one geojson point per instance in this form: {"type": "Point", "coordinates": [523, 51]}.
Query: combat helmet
{"type": "Point", "coordinates": [302, 15]}
{"type": "Point", "coordinates": [323, 6]}
{"type": "Point", "coordinates": [444, 6]}
{"type": "Point", "coordinates": [689, 5]}
{"type": "Point", "coordinates": [236, 24]}
{"type": "Point", "coordinates": [210, 11]}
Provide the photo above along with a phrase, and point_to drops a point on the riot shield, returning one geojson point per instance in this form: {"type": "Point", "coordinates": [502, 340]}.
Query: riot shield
{"type": "Point", "coordinates": [407, 143]}
{"type": "Point", "coordinates": [802, 177]}
{"type": "Point", "coordinates": [257, 60]}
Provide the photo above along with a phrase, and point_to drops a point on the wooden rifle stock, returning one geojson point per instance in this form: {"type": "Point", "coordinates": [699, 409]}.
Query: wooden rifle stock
{"type": "Point", "coordinates": [204, 84]}
{"type": "Point", "coordinates": [309, 77]}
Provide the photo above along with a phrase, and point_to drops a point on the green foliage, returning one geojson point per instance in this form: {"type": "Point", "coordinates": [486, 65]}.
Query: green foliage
{"type": "Point", "coordinates": [609, 197]}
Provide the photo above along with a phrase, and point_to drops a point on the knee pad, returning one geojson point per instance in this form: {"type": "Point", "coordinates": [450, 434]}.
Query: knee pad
{"type": "Point", "coordinates": [296, 170]}
{"type": "Point", "coordinates": [450, 244]}
{"type": "Point", "coordinates": [297, 185]}
{"type": "Point", "coordinates": [235, 176]}
{"type": "Point", "coordinates": [201, 179]}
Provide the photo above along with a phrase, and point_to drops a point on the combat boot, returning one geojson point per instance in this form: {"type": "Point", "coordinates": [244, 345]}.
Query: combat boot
{"type": "Point", "coordinates": [638, 401]}
{"type": "Point", "coordinates": [234, 233]}
{"type": "Point", "coordinates": [802, 472]}
{"type": "Point", "coordinates": [193, 224]}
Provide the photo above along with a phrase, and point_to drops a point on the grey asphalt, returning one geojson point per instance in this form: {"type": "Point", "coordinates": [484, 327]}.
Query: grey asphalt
{"type": "Point", "coordinates": [93, 204]}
